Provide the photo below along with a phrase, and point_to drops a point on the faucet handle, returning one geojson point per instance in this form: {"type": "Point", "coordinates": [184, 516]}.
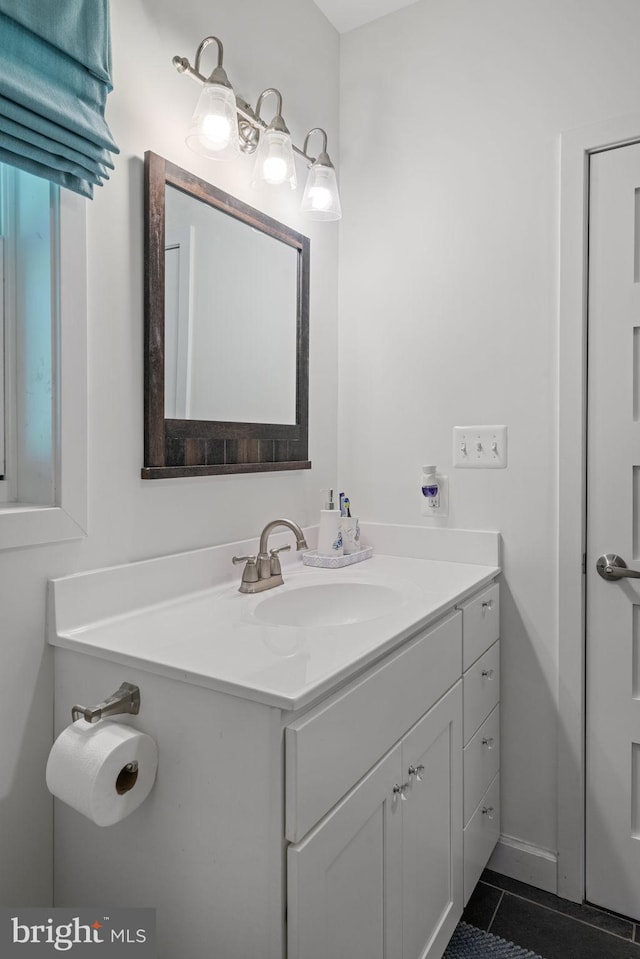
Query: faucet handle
{"type": "Point", "coordinates": [276, 569]}
{"type": "Point", "coordinates": [242, 559]}
{"type": "Point", "coordinates": [250, 572]}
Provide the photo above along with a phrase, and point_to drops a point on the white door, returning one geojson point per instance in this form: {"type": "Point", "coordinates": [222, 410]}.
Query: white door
{"type": "Point", "coordinates": [613, 528]}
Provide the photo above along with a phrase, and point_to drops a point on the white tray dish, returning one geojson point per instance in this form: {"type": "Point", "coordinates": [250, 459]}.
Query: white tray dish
{"type": "Point", "coordinates": [311, 558]}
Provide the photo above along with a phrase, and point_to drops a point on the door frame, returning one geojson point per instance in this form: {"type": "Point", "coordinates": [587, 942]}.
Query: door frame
{"type": "Point", "coordinates": [576, 146]}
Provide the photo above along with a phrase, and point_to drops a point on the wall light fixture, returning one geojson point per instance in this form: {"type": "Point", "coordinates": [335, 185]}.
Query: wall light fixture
{"type": "Point", "coordinates": [224, 124]}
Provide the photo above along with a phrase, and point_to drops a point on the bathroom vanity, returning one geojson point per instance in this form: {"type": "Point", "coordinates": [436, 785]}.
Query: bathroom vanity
{"type": "Point", "coordinates": [328, 778]}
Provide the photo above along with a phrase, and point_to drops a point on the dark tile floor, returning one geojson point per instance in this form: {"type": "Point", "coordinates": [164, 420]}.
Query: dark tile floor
{"type": "Point", "coordinates": [552, 927]}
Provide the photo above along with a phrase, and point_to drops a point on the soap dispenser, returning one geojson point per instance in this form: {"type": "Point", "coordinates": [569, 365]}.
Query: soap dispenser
{"type": "Point", "coordinates": [329, 533]}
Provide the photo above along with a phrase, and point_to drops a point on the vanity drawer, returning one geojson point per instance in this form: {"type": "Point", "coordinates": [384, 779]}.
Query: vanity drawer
{"type": "Point", "coordinates": [481, 761]}
{"type": "Point", "coordinates": [481, 690]}
{"type": "Point", "coordinates": [480, 836]}
{"type": "Point", "coordinates": [480, 624]}
{"type": "Point", "coordinates": [331, 747]}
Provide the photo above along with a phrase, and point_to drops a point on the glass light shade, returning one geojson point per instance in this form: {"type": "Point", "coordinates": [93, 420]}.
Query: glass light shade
{"type": "Point", "coordinates": [214, 127]}
{"type": "Point", "coordinates": [321, 200]}
{"type": "Point", "coordinates": [274, 160]}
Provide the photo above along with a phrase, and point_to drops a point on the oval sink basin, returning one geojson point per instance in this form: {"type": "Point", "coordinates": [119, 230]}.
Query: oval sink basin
{"type": "Point", "coordinates": [327, 604]}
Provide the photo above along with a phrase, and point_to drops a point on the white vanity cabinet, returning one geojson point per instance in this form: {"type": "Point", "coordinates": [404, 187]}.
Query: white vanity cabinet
{"type": "Point", "coordinates": [350, 823]}
{"type": "Point", "coordinates": [382, 871]}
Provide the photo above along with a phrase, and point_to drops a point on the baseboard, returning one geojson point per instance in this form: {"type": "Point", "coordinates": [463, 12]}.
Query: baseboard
{"type": "Point", "coordinates": [521, 860]}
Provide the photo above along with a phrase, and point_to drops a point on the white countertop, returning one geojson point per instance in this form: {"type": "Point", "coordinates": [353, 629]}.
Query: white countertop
{"type": "Point", "coordinates": [213, 637]}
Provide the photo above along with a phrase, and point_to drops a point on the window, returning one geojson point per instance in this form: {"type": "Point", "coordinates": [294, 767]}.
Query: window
{"type": "Point", "coordinates": [30, 237]}
{"type": "Point", "coordinates": [42, 242]}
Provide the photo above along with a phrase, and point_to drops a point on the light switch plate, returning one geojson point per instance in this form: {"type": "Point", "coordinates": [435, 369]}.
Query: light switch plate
{"type": "Point", "coordinates": [480, 447]}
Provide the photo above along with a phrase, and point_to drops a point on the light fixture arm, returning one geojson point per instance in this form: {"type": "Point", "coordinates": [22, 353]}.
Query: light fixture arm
{"type": "Point", "coordinates": [218, 74]}
{"type": "Point", "coordinates": [323, 156]}
{"type": "Point", "coordinates": [263, 96]}
{"type": "Point", "coordinates": [203, 46]}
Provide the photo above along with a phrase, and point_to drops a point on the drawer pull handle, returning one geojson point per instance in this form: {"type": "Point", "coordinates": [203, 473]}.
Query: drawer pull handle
{"type": "Point", "coordinates": [417, 771]}
{"type": "Point", "coordinates": [488, 811]}
{"type": "Point", "coordinates": [401, 791]}
{"type": "Point", "coordinates": [488, 674]}
{"type": "Point", "coordinates": [488, 604]}
{"type": "Point", "coordinates": [489, 742]}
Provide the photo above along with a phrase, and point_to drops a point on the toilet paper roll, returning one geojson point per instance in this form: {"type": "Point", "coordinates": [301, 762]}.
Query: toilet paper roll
{"type": "Point", "coordinates": [92, 767]}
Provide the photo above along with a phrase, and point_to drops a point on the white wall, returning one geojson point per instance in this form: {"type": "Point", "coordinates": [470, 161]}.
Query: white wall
{"type": "Point", "coordinates": [287, 44]}
{"type": "Point", "coordinates": [450, 120]}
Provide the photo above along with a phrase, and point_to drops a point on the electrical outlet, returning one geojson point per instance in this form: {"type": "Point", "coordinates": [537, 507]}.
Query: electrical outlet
{"type": "Point", "coordinates": [480, 447]}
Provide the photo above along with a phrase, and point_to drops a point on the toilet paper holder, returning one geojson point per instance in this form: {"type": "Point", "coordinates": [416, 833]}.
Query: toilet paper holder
{"type": "Point", "coordinates": [126, 699]}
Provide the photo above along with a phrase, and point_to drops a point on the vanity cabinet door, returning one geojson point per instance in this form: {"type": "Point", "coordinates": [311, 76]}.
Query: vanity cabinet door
{"type": "Point", "coordinates": [431, 829]}
{"type": "Point", "coordinates": [345, 878]}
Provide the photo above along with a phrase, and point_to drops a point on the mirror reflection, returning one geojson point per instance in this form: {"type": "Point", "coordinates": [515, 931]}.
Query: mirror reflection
{"type": "Point", "coordinates": [230, 317]}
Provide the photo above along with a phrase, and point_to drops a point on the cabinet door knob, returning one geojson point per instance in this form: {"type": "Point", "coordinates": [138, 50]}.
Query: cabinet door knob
{"type": "Point", "coordinates": [488, 811]}
{"type": "Point", "coordinates": [401, 791]}
{"type": "Point", "coordinates": [417, 771]}
{"type": "Point", "coordinates": [488, 673]}
{"type": "Point", "coordinates": [488, 604]}
{"type": "Point", "coordinates": [489, 742]}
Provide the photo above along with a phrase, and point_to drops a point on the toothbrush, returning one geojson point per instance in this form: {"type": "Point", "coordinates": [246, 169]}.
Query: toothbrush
{"type": "Point", "coordinates": [341, 501]}
{"type": "Point", "coordinates": [347, 506]}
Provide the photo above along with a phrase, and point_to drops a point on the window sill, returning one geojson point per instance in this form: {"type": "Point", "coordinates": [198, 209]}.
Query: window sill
{"type": "Point", "coordinates": [24, 524]}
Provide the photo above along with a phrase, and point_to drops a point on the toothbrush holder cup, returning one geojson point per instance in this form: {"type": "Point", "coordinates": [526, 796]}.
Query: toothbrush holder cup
{"type": "Point", "coordinates": [350, 527]}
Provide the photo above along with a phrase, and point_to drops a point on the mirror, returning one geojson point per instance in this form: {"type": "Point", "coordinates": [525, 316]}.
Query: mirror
{"type": "Point", "coordinates": [226, 332]}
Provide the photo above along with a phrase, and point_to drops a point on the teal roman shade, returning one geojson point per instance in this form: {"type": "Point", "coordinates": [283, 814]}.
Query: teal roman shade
{"type": "Point", "coordinates": [55, 74]}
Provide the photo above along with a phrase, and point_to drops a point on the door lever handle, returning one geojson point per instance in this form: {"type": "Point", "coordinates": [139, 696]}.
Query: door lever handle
{"type": "Point", "coordinates": [612, 567]}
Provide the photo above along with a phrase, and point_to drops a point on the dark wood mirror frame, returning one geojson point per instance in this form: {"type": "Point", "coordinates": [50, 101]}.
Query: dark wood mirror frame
{"type": "Point", "coordinates": [172, 447]}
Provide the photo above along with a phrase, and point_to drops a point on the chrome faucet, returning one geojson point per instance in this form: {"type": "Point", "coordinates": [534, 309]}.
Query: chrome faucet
{"type": "Point", "coordinates": [264, 571]}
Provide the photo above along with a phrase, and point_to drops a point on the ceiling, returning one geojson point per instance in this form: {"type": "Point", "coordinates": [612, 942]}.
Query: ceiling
{"type": "Point", "coordinates": [348, 14]}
